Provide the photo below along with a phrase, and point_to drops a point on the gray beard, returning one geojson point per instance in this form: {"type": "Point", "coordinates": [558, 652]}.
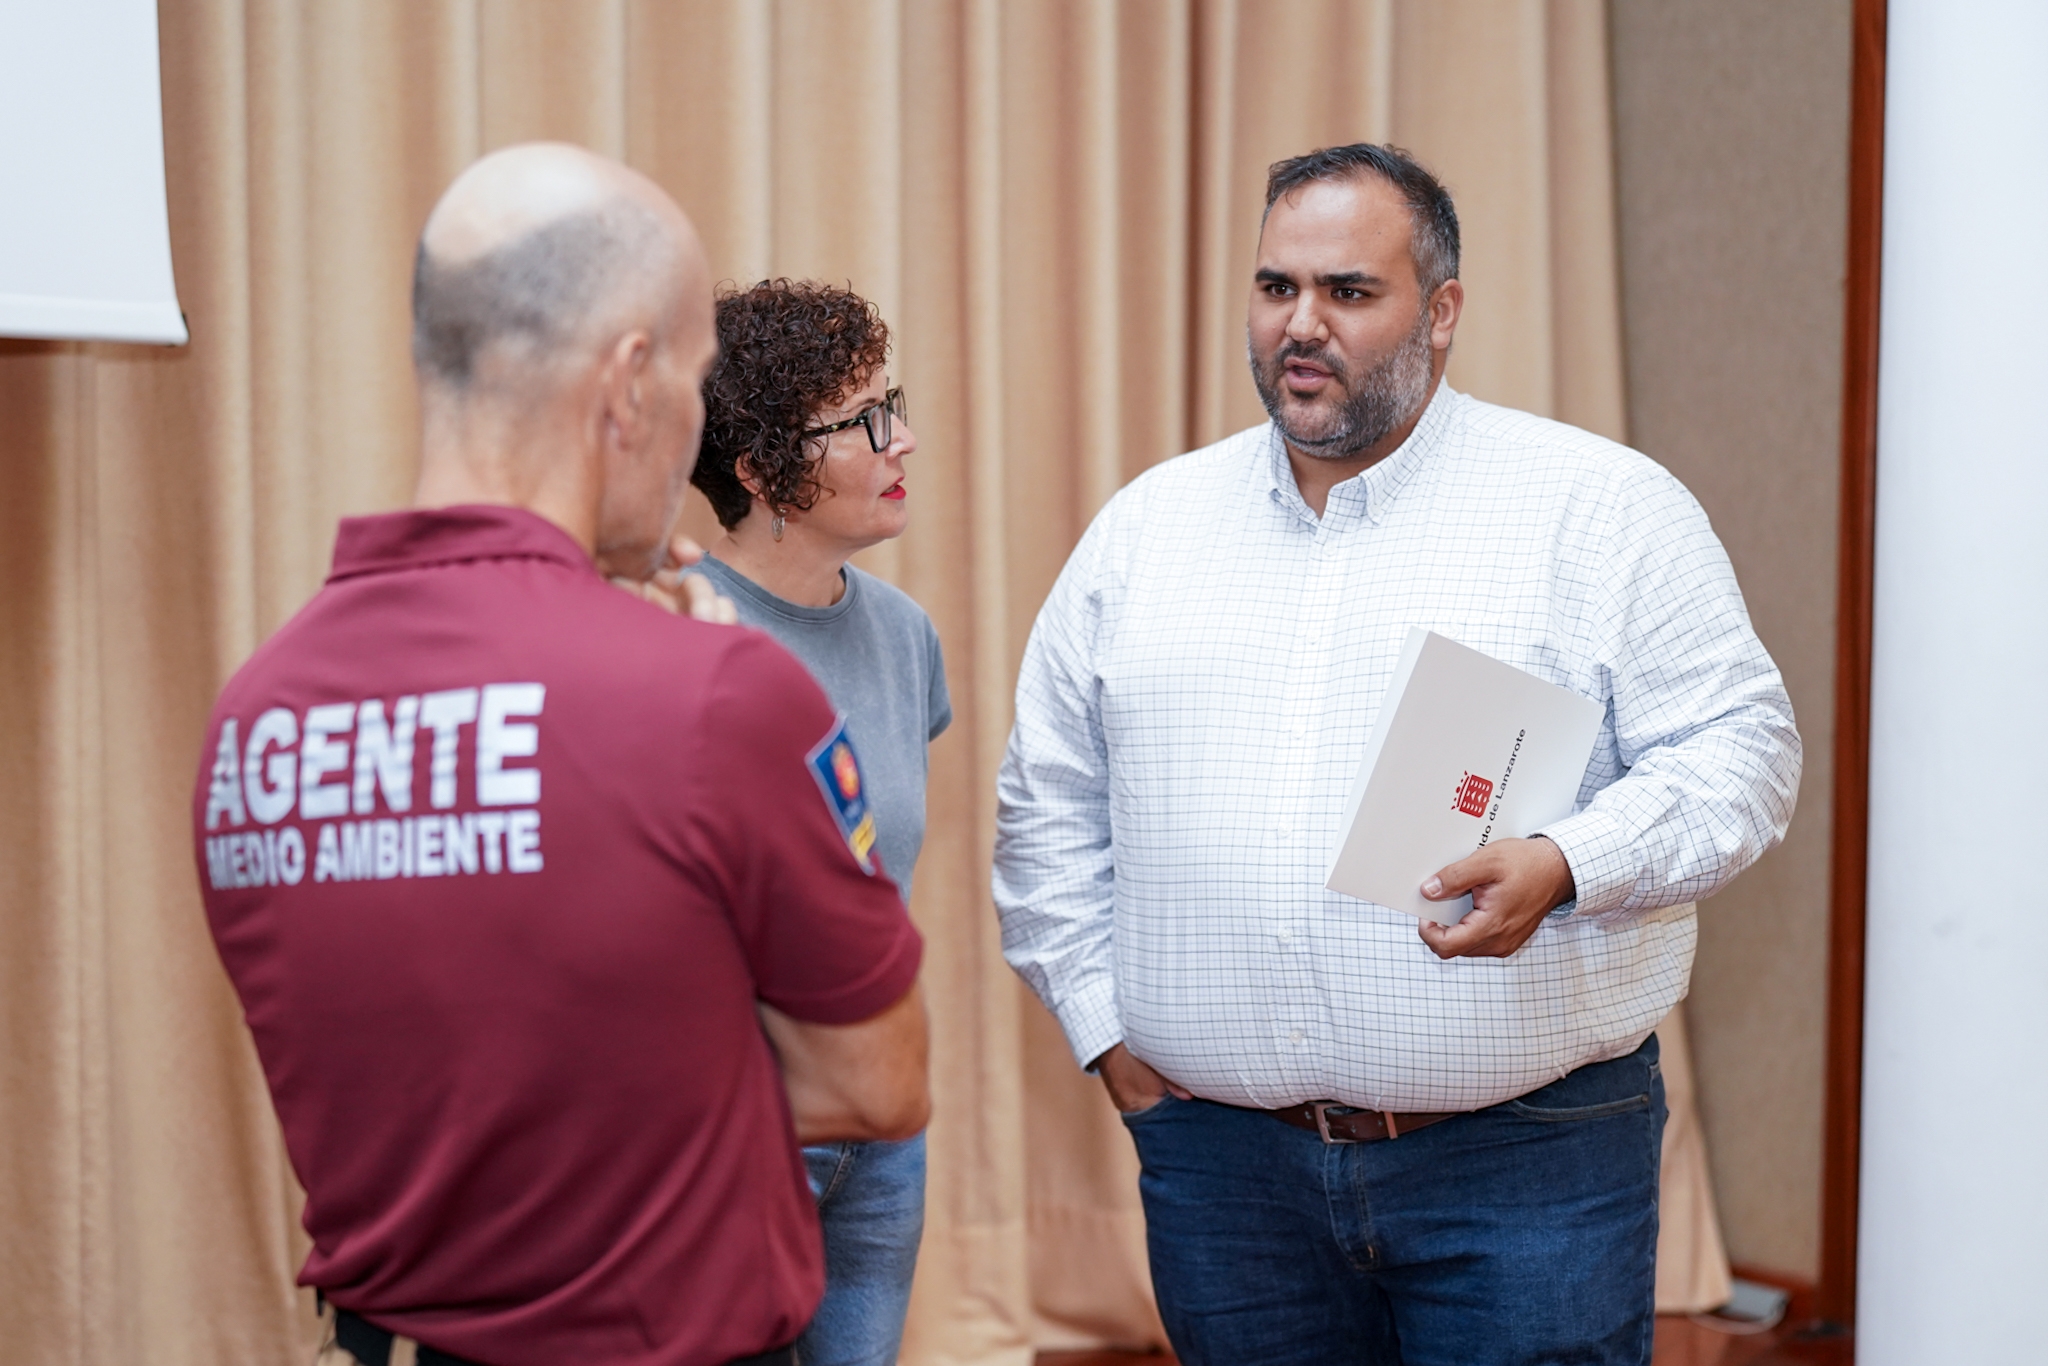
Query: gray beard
{"type": "Point", "coordinates": [1389, 394]}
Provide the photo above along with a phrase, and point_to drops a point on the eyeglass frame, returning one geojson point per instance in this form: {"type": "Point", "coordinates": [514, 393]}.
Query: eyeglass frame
{"type": "Point", "coordinates": [893, 409]}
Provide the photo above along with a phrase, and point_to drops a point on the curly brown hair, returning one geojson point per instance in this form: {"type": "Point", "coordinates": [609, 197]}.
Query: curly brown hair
{"type": "Point", "coordinates": [786, 349]}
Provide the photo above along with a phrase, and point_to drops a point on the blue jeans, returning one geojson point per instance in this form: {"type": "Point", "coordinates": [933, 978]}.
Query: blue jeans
{"type": "Point", "coordinates": [871, 1203]}
{"type": "Point", "coordinates": [1522, 1233]}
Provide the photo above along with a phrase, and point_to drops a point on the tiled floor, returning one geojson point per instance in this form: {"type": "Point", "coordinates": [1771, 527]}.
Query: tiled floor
{"type": "Point", "coordinates": [1680, 1342]}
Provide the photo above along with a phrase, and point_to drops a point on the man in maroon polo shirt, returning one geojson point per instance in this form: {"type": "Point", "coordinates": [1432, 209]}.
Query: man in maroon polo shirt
{"type": "Point", "coordinates": [513, 923]}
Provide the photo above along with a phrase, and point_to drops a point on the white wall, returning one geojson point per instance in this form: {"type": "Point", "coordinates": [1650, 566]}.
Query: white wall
{"type": "Point", "coordinates": [1954, 1242]}
{"type": "Point", "coordinates": [85, 247]}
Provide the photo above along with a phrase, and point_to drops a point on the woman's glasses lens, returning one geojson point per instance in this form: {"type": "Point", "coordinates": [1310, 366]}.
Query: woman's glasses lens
{"type": "Point", "coordinates": [882, 418]}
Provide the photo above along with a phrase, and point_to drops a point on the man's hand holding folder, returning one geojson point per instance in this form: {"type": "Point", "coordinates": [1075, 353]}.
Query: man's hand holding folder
{"type": "Point", "coordinates": [1468, 753]}
{"type": "Point", "coordinates": [1514, 883]}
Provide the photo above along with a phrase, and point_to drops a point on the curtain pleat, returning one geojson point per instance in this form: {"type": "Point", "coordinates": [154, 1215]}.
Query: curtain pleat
{"type": "Point", "coordinates": [1056, 205]}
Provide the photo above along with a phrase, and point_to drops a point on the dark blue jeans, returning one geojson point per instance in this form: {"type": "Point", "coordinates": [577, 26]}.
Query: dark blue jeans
{"type": "Point", "coordinates": [1526, 1232]}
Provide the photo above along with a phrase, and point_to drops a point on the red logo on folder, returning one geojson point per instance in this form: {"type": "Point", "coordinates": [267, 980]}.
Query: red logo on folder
{"type": "Point", "coordinates": [1472, 795]}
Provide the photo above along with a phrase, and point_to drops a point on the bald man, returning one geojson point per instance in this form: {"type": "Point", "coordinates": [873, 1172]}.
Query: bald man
{"type": "Point", "coordinates": [520, 936]}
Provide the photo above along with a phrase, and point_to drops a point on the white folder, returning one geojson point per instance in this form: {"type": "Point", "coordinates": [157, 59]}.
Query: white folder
{"type": "Point", "coordinates": [1466, 750]}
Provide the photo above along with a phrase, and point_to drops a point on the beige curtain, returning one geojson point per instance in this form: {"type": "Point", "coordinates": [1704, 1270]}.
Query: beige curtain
{"type": "Point", "coordinates": [1054, 201]}
{"type": "Point", "coordinates": [1692, 1261]}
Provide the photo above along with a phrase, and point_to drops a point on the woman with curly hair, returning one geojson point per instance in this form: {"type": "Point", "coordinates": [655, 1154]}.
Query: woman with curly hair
{"type": "Point", "coordinates": [804, 444]}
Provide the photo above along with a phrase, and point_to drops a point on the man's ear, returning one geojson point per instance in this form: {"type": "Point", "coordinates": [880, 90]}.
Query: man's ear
{"type": "Point", "coordinates": [1445, 307]}
{"type": "Point", "coordinates": [625, 387]}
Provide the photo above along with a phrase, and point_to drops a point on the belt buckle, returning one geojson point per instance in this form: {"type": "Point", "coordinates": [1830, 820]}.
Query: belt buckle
{"type": "Point", "coordinates": [1322, 1109]}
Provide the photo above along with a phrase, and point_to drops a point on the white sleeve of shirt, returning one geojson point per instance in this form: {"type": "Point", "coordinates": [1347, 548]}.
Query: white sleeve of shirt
{"type": "Point", "coordinates": [1709, 752]}
{"type": "Point", "coordinates": [1054, 881]}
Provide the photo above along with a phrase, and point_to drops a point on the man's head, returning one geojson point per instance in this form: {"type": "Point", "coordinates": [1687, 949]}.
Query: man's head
{"type": "Point", "coordinates": [1355, 298]}
{"type": "Point", "coordinates": [561, 328]}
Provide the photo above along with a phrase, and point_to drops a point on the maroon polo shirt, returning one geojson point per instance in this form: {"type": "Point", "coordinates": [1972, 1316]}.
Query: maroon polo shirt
{"type": "Point", "coordinates": [500, 860]}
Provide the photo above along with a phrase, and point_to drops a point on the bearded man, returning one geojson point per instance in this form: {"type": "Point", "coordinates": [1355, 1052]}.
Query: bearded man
{"type": "Point", "coordinates": [1361, 1144]}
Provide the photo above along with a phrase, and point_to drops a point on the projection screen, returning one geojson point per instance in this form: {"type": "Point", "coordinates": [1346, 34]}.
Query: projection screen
{"type": "Point", "coordinates": [85, 246]}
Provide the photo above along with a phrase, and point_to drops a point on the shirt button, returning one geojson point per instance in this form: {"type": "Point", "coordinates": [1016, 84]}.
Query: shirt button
{"type": "Point", "coordinates": [1300, 729]}
{"type": "Point", "coordinates": [1286, 935]}
{"type": "Point", "coordinates": [1294, 1037]}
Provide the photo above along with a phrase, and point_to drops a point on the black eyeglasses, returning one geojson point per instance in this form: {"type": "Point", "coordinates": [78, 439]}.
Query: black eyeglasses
{"type": "Point", "coordinates": [880, 419]}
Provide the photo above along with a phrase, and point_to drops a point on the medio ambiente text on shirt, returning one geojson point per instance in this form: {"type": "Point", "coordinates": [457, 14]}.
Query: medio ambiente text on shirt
{"type": "Point", "coordinates": [340, 759]}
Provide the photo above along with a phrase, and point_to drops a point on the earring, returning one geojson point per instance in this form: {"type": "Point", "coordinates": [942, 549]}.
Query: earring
{"type": "Point", "coordinates": [775, 527]}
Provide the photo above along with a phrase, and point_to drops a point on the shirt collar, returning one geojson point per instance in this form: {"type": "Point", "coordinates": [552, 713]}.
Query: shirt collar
{"type": "Point", "coordinates": [1372, 491]}
{"type": "Point", "coordinates": [732, 580]}
{"type": "Point", "coordinates": [417, 537]}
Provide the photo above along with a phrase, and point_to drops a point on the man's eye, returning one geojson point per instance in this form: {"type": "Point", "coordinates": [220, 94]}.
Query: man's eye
{"type": "Point", "coordinates": [1345, 293]}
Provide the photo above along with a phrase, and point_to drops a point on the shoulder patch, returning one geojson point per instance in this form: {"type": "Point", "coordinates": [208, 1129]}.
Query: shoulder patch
{"type": "Point", "coordinates": [837, 769]}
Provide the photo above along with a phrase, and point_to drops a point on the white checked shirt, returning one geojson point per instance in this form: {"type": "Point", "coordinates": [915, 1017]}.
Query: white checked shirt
{"type": "Point", "coordinates": [1195, 702]}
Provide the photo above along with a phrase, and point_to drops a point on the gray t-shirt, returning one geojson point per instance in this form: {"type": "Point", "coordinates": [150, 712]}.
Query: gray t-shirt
{"type": "Point", "coordinates": [876, 655]}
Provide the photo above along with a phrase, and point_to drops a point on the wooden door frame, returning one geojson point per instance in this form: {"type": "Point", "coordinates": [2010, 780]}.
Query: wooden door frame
{"type": "Point", "coordinates": [1849, 854]}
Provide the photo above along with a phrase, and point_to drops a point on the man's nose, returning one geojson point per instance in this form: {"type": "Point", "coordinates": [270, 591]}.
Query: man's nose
{"type": "Point", "coordinates": [1305, 323]}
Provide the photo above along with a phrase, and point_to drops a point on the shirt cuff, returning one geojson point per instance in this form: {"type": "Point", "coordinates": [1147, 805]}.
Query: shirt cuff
{"type": "Point", "coordinates": [1597, 849]}
{"type": "Point", "coordinates": [1092, 1022]}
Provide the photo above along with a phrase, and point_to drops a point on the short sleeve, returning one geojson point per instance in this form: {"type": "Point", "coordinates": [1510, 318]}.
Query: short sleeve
{"type": "Point", "coordinates": [939, 708]}
{"type": "Point", "coordinates": [777, 796]}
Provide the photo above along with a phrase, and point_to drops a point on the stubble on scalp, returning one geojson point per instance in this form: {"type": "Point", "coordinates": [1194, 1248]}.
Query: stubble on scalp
{"type": "Point", "coordinates": [535, 297]}
{"type": "Point", "coordinates": [1386, 396]}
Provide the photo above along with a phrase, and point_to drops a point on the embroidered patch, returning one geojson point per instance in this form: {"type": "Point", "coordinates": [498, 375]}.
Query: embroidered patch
{"type": "Point", "coordinates": [837, 769]}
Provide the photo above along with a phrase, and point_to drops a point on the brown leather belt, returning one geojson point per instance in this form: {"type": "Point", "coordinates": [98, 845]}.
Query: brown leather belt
{"type": "Point", "coordinates": [1335, 1123]}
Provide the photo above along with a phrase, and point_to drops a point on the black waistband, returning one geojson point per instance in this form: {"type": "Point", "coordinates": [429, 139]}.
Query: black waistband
{"type": "Point", "coordinates": [371, 1345]}
{"type": "Point", "coordinates": [781, 1356]}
